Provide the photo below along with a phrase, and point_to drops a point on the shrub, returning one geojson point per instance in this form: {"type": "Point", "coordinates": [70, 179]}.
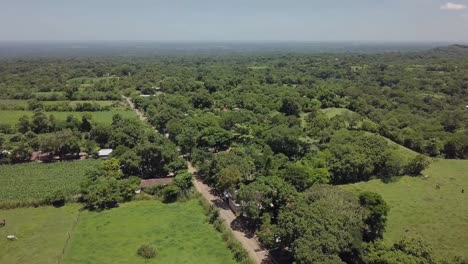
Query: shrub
{"type": "Point", "coordinates": [170, 193]}
{"type": "Point", "coordinates": [146, 251]}
{"type": "Point", "coordinates": [183, 181]}
{"type": "Point", "coordinates": [56, 199]}
{"type": "Point", "coordinates": [417, 165]}
{"type": "Point", "coordinates": [154, 190]}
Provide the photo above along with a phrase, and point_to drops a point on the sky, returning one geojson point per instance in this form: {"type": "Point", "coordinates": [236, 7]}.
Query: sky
{"type": "Point", "coordinates": [234, 20]}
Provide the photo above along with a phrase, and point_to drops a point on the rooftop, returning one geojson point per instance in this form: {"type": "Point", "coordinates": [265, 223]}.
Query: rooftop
{"type": "Point", "coordinates": [104, 152]}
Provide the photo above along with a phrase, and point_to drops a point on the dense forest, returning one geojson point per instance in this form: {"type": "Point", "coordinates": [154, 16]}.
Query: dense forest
{"type": "Point", "coordinates": [277, 131]}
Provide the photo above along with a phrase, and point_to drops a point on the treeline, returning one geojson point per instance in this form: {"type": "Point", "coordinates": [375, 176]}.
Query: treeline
{"type": "Point", "coordinates": [63, 106]}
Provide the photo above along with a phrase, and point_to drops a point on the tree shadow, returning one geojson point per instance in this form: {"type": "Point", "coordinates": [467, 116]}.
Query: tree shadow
{"type": "Point", "coordinates": [280, 256]}
{"type": "Point", "coordinates": [242, 224]}
{"type": "Point", "coordinates": [220, 204]}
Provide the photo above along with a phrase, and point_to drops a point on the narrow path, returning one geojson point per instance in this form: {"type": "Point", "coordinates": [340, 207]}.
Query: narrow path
{"type": "Point", "coordinates": [139, 113]}
{"type": "Point", "coordinates": [250, 244]}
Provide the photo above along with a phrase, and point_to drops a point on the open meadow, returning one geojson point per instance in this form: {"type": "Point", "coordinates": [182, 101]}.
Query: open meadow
{"type": "Point", "coordinates": [42, 233]}
{"type": "Point", "coordinates": [419, 208]}
{"type": "Point", "coordinates": [32, 182]}
{"type": "Point", "coordinates": [179, 232]}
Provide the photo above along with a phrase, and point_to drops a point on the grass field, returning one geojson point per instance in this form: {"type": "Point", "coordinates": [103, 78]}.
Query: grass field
{"type": "Point", "coordinates": [440, 216]}
{"type": "Point", "coordinates": [332, 112]}
{"type": "Point", "coordinates": [41, 233]}
{"type": "Point", "coordinates": [12, 117]}
{"type": "Point", "coordinates": [178, 231]}
{"type": "Point", "coordinates": [34, 181]}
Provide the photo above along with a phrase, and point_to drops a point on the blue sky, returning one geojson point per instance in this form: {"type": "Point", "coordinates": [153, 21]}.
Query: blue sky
{"type": "Point", "coordinates": [235, 20]}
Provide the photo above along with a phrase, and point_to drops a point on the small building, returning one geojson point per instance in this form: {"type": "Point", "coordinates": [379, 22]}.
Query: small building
{"type": "Point", "coordinates": [104, 153]}
{"type": "Point", "coordinates": [40, 156]}
{"type": "Point", "coordinates": [230, 201]}
{"type": "Point", "coordinates": [83, 155]}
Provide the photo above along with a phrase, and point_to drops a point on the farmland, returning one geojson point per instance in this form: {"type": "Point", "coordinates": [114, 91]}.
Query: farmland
{"type": "Point", "coordinates": [419, 209]}
{"type": "Point", "coordinates": [179, 231]}
{"type": "Point", "coordinates": [12, 117]}
{"type": "Point", "coordinates": [41, 233]}
{"type": "Point", "coordinates": [34, 181]}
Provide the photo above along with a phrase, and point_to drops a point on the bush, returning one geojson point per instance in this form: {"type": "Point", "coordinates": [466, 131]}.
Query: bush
{"type": "Point", "coordinates": [417, 165]}
{"type": "Point", "coordinates": [146, 251]}
{"type": "Point", "coordinates": [170, 193]}
{"type": "Point", "coordinates": [154, 190]}
{"type": "Point", "coordinates": [56, 199]}
{"type": "Point", "coordinates": [183, 181]}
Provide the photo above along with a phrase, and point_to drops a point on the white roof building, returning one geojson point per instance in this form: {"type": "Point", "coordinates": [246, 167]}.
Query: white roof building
{"type": "Point", "coordinates": [104, 153]}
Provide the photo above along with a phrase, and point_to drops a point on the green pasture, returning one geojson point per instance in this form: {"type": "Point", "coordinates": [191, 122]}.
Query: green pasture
{"type": "Point", "coordinates": [179, 232]}
{"type": "Point", "coordinates": [419, 208]}
{"type": "Point", "coordinates": [42, 233]}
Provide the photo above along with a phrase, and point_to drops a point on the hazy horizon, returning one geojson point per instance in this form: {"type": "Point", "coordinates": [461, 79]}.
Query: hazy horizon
{"type": "Point", "coordinates": [363, 21]}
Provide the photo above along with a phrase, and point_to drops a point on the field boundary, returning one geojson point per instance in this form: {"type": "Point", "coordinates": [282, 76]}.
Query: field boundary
{"type": "Point", "coordinates": [69, 235]}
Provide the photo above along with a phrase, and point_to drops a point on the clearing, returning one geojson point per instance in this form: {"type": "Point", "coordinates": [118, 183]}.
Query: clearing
{"type": "Point", "coordinates": [419, 209]}
{"type": "Point", "coordinates": [179, 232]}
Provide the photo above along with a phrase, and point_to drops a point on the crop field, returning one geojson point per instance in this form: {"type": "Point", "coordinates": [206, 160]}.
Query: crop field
{"type": "Point", "coordinates": [41, 233]}
{"type": "Point", "coordinates": [34, 181]}
{"type": "Point", "coordinates": [179, 232]}
{"type": "Point", "coordinates": [418, 208]}
{"type": "Point", "coordinates": [12, 117]}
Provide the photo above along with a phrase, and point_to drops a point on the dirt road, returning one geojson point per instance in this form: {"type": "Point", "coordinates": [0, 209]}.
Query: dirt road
{"type": "Point", "coordinates": [250, 244]}
{"type": "Point", "coordinates": [140, 114]}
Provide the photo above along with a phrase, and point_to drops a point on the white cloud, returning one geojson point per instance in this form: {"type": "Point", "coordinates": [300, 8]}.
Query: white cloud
{"type": "Point", "coordinates": [453, 6]}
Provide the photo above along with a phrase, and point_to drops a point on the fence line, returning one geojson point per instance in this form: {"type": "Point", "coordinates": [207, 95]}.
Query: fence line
{"type": "Point", "coordinates": [75, 223]}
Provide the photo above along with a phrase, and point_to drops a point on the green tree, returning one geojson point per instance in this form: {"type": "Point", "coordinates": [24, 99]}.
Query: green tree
{"type": "Point", "coordinates": [228, 178]}
{"type": "Point", "coordinates": [104, 187]}
{"type": "Point", "coordinates": [322, 226]}
{"type": "Point", "coordinates": [202, 99]}
{"type": "Point", "coordinates": [40, 123]}
{"type": "Point", "coordinates": [184, 181]}
{"type": "Point", "coordinates": [24, 125]}
{"type": "Point", "coordinates": [376, 218]}
{"type": "Point", "coordinates": [291, 106]}
{"type": "Point", "coordinates": [417, 165]}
